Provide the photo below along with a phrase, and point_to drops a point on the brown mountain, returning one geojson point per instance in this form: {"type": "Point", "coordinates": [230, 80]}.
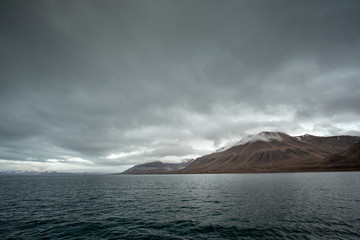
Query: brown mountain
{"type": "Point", "coordinates": [274, 152]}
{"type": "Point", "coordinates": [347, 160]}
{"type": "Point", "coordinates": [157, 167]}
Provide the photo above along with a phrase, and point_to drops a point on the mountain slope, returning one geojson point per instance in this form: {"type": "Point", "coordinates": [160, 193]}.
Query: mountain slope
{"type": "Point", "coordinates": [347, 160]}
{"type": "Point", "coordinates": [156, 167]}
{"type": "Point", "coordinates": [272, 152]}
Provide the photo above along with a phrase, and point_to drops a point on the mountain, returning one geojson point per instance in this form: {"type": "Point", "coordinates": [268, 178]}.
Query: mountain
{"type": "Point", "coordinates": [273, 152]}
{"type": "Point", "coordinates": [346, 160]}
{"type": "Point", "coordinates": [157, 167]}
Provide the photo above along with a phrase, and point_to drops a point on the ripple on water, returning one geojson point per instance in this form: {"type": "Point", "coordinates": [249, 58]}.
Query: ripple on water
{"type": "Point", "coordinates": [239, 206]}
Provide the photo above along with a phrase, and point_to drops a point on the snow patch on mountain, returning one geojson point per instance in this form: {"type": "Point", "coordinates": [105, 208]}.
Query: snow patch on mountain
{"type": "Point", "coordinates": [263, 136]}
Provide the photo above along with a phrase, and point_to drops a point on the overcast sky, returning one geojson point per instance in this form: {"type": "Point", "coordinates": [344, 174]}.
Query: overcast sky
{"type": "Point", "coordinates": [99, 86]}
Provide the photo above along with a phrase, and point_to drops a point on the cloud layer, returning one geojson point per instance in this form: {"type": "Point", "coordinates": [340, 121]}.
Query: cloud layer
{"type": "Point", "coordinates": [100, 86]}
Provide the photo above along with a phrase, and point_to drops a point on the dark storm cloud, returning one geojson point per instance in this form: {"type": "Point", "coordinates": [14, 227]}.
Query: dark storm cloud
{"type": "Point", "coordinates": [123, 82]}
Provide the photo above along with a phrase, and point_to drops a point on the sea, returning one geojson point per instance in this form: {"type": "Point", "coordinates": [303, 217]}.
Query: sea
{"type": "Point", "coordinates": [321, 205]}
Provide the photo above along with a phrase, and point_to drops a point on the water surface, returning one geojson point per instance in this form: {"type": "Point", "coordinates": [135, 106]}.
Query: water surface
{"type": "Point", "coordinates": [214, 206]}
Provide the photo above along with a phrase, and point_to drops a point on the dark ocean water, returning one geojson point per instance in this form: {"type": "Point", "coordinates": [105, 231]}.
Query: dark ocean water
{"type": "Point", "coordinates": [223, 206]}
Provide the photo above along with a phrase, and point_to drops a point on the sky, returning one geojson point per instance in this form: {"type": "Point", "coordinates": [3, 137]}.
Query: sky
{"type": "Point", "coordinates": [98, 86]}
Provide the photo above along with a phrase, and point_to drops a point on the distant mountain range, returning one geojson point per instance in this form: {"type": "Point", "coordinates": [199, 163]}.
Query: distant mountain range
{"type": "Point", "coordinates": [272, 152]}
{"type": "Point", "coordinates": [43, 173]}
{"type": "Point", "coordinates": [157, 167]}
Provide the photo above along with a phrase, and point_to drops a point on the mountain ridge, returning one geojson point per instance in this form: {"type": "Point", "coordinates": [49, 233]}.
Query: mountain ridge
{"type": "Point", "coordinates": [157, 167]}
{"type": "Point", "coordinates": [269, 152]}
{"type": "Point", "coordinates": [278, 153]}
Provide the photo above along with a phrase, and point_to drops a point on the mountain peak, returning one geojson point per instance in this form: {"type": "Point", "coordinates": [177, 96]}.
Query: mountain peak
{"type": "Point", "coordinates": [262, 136]}
{"type": "Point", "coordinates": [271, 134]}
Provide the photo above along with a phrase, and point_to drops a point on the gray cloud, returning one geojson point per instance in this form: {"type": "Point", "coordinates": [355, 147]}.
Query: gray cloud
{"type": "Point", "coordinates": [117, 83]}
